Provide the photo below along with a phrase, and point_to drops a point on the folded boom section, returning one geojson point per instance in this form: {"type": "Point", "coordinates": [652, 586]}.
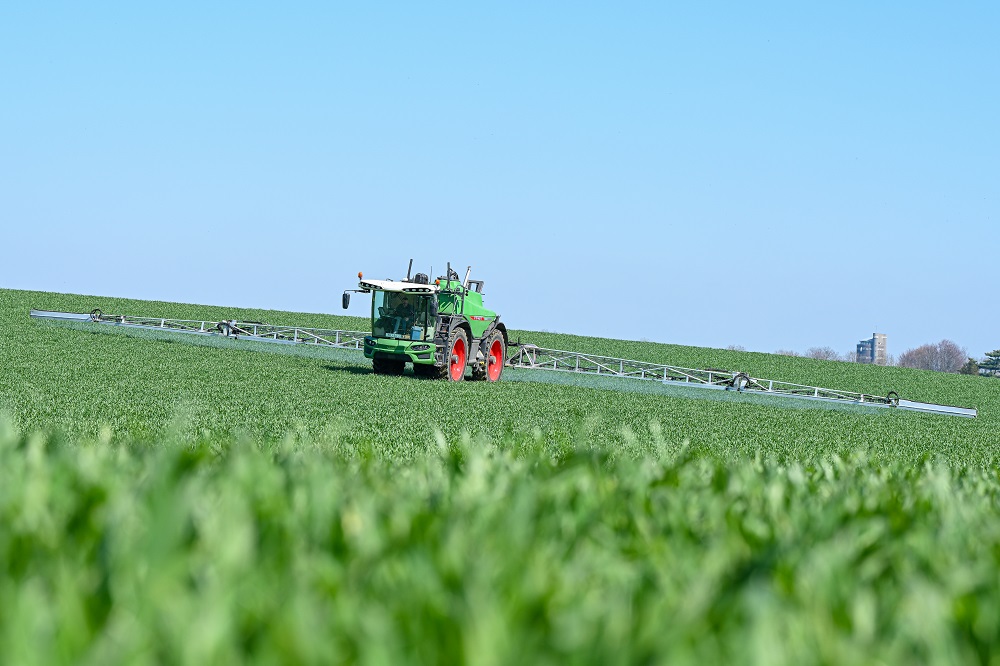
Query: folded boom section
{"type": "Point", "coordinates": [538, 358]}
{"type": "Point", "coordinates": [227, 328]}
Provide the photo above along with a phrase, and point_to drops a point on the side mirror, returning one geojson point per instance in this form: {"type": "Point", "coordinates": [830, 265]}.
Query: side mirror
{"type": "Point", "coordinates": [346, 300]}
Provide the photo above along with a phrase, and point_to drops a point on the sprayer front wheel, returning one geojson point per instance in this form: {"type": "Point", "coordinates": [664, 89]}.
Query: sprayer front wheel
{"type": "Point", "coordinates": [458, 355]}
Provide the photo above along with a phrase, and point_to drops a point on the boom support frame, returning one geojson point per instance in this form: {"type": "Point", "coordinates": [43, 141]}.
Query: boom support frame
{"type": "Point", "coordinates": [527, 356]}
{"type": "Point", "coordinates": [538, 358]}
{"type": "Point", "coordinates": [252, 330]}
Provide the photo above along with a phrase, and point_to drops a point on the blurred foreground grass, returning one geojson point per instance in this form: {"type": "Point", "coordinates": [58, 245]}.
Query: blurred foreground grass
{"type": "Point", "coordinates": [309, 550]}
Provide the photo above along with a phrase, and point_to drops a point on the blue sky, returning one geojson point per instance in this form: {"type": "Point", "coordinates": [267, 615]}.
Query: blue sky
{"type": "Point", "coordinates": [775, 176]}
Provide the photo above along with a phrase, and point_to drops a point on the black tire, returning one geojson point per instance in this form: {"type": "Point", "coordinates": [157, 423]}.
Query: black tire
{"type": "Point", "coordinates": [479, 371]}
{"type": "Point", "coordinates": [387, 367]}
{"type": "Point", "coordinates": [457, 335]}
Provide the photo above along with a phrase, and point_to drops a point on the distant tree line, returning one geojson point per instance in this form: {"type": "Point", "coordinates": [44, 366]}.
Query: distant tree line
{"type": "Point", "coordinates": [944, 356]}
{"type": "Point", "coordinates": [989, 366]}
{"type": "Point", "coordinates": [826, 354]}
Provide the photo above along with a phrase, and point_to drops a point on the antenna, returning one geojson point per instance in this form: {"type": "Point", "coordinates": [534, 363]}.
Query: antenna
{"type": "Point", "coordinates": [408, 269]}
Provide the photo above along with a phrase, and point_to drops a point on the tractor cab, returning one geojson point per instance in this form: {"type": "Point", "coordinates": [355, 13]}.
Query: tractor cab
{"type": "Point", "coordinates": [402, 310]}
{"type": "Point", "coordinates": [402, 315]}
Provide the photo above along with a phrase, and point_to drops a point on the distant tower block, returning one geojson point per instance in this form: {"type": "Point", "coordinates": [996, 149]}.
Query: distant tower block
{"type": "Point", "coordinates": [873, 350]}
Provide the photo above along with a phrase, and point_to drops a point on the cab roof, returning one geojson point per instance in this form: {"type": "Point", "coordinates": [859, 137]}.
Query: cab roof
{"type": "Point", "coordinates": [398, 286]}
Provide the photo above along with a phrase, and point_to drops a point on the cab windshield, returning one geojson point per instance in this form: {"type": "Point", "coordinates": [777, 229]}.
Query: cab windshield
{"type": "Point", "coordinates": [400, 315]}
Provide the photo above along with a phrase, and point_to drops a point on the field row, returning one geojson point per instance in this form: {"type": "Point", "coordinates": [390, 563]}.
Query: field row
{"type": "Point", "coordinates": [139, 383]}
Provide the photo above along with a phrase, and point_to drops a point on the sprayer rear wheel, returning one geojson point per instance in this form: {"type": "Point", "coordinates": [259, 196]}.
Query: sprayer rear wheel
{"type": "Point", "coordinates": [492, 367]}
{"type": "Point", "coordinates": [496, 356]}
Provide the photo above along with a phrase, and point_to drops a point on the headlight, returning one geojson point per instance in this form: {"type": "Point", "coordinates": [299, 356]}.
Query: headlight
{"type": "Point", "coordinates": [419, 347]}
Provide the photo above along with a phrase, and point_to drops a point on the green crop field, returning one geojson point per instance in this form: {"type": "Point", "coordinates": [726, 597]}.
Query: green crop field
{"type": "Point", "coordinates": [166, 499]}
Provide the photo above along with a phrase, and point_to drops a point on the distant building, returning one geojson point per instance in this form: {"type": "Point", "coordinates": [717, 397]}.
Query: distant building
{"type": "Point", "coordinates": [873, 350]}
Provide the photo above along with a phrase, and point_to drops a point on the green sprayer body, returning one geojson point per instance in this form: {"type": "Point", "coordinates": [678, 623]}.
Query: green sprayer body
{"type": "Point", "coordinates": [442, 328]}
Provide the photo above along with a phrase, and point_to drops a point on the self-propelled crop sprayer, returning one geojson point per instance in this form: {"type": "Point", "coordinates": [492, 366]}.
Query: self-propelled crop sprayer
{"type": "Point", "coordinates": [441, 328]}
{"type": "Point", "coordinates": [444, 331]}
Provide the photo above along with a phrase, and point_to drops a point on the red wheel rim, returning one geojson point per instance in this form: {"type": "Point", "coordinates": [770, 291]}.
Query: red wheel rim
{"type": "Point", "coordinates": [495, 364]}
{"type": "Point", "coordinates": [457, 368]}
